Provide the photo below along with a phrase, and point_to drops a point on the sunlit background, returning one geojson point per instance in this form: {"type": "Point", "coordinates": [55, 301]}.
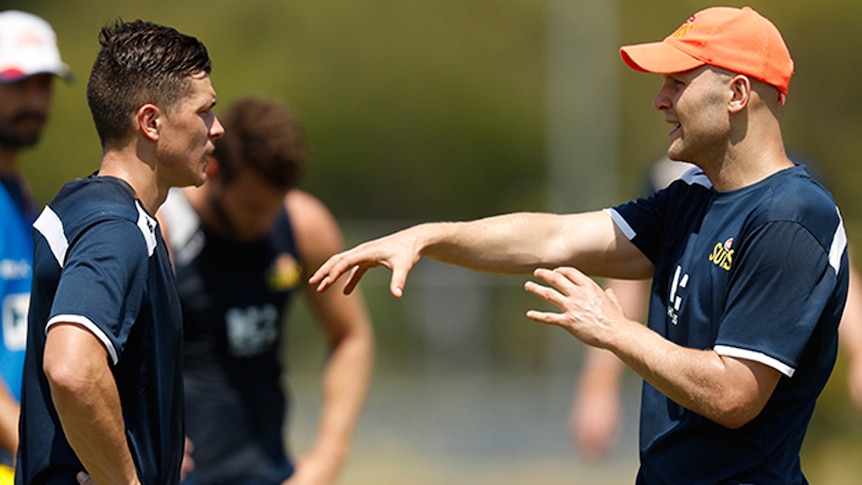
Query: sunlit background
{"type": "Point", "coordinates": [456, 109]}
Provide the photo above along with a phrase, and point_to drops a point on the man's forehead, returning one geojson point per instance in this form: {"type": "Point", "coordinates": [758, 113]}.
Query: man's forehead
{"type": "Point", "coordinates": [201, 90]}
{"type": "Point", "coordinates": [699, 71]}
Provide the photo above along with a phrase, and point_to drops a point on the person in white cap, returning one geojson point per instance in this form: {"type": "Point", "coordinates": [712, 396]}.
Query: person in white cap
{"type": "Point", "coordinates": [29, 62]}
{"type": "Point", "coordinates": [748, 257]}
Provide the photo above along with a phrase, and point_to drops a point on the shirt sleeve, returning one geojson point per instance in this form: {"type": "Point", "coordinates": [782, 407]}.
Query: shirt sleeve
{"type": "Point", "coordinates": [102, 283]}
{"type": "Point", "coordinates": [776, 296]}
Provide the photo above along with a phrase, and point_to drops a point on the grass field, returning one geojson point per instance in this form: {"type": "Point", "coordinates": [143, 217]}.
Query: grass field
{"type": "Point", "coordinates": [467, 429]}
{"type": "Point", "coordinates": [503, 430]}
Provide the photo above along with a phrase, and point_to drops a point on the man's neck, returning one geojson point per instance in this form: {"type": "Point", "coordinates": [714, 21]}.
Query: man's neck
{"type": "Point", "coordinates": [124, 165]}
{"type": "Point", "coordinates": [736, 173]}
{"type": "Point", "coordinates": [8, 162]}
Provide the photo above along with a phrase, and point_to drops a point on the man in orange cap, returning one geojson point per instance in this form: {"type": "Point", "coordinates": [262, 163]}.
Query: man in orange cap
{"type": "Point", "coordinates": [747, 255]}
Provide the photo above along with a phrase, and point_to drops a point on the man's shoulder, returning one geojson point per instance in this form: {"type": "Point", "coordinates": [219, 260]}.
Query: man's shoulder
{"type": "Point", "coordinates": [84, 204]}
{"type": "Point", "coordinates": [95, 198]}
{"type": "Point", "coordinates": [795, 192]}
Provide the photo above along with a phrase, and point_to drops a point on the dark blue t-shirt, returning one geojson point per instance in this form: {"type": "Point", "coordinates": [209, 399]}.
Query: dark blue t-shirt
{"type": "Point", "coordinates": [100, 262]}
{"type": "Point", "coordinates": [758, 273]}
{"type": "Point", "coordinates": [235, 296]}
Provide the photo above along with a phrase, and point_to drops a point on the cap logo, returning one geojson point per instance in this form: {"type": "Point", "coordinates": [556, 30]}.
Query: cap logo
{"type": "Point", "coordinates": [683, 29]}
{"type": "Point", "coordinates": [31, 38]}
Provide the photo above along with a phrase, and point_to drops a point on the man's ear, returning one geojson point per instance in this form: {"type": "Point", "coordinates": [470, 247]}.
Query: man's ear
{"type": "Point", "coordinates": [148, 121]}
{"type": "Point", "coordinates": [740, 87]}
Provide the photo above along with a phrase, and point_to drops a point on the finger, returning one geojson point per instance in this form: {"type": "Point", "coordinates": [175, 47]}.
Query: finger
{"type": "Point", "coordinates": [558, 279]}
{"type": "Point", "coordinates": [352, 282]}
{"type": "Point", "coordinates": [548, 318]}
{"type": "Point", "coordinates": [398, 282]}
{"type": "Point", "coordinates": [325, 278]}
{"type": "Point", "coordinates": [321, 272]}
{"type": "Point", "coordinates": [329, 272]}
{"type": "Point", "coordinates": [83, 478]}
{"type": "Point", "coordinates": [572, 274]}
{"type": "Point", "coordinates": [548, 294]}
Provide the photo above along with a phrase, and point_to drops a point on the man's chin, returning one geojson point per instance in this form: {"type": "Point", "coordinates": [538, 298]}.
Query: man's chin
{"type": "Point", "coordinates": [15, 143]}
{"type": "Point", "coordinates": [199, 180]}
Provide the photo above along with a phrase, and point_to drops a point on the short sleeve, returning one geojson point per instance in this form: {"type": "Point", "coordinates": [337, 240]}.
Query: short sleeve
{"type": "Point", "coordinates": [776, 297]}
{"type": "Point", "coordinates": [662, 218]}
{"type": "Point", "coordinates": [103, 281]}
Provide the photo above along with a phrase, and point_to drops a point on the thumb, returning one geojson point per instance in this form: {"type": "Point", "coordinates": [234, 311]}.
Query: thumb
{"type": "Point", "coordinates": [397, 283]}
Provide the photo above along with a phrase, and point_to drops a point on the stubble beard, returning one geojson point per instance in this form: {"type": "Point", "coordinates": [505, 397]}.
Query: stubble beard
{"type": "Point", "coordinates": [12, 141]}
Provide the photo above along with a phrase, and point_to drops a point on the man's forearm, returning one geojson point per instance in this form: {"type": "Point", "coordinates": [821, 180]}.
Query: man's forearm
{"type": "Point", "coordinates": [345, 387]}
{"type": "Point", "coordinates": [88, 404]}
{"type": "Point", "coordinates": [94, 427]}
{"type": "Point", "coordinates": [726, 390]}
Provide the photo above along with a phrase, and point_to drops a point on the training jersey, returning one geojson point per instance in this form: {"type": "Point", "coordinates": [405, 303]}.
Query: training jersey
{"type": "Point", "coordinates": [16, 255]}
{"type": "Point", "coordinates": [234, 296]}
{"type": "Point", "coordinates": [759, 273]}
{"type": "Point", "coordinates": [100, 262]}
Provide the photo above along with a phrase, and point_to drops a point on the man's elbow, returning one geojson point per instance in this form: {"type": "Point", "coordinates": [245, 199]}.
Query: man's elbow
{"type": "Point", "coordinates": [63, 377]}
{"type": "Point", "coordinates": [734, 413]}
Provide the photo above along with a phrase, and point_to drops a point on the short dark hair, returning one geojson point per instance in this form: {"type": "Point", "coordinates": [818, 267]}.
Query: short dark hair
{"type": "Point", "coordinates": [264, 136]}
{"type": "Point", "coordinates": [140, 62]}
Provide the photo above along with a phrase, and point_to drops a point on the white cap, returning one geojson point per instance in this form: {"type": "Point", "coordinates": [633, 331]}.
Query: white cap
{"type": "Point", "coordinates": [28, 46]}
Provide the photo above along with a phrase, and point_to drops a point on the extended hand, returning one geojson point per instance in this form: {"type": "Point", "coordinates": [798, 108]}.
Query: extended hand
{"type": "Point", "coordinates": [399, 252]}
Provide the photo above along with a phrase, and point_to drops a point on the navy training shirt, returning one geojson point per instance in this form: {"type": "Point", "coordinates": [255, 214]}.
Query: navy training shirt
{"type": "Point", "coordinates": [758, 273]}
{"type": "Point", "coordinates": [235, 297]}
{"type": "Point", "coordinates": [100, 262]}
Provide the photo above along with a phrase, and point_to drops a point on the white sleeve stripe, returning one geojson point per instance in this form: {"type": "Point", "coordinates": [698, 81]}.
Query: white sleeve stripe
{"type": "Point", "coordinates": [89, 325]}
{"type": "Point", "coordinates": [839, 243]}
{"type": "Point", "coordinates": [756, 357]}
{"type": "Point", "coordinates": [51, 228]}
{"type": "Point", "coordinates": [622, 224]}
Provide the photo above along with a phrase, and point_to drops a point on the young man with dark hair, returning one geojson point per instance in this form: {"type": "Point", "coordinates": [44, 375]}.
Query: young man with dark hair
{"type": "Point", "coordinates": [102, 395]}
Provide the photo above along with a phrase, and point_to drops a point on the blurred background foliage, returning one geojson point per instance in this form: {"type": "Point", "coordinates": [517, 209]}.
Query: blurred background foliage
{"type": "Point", "coordinates": [420, 110]}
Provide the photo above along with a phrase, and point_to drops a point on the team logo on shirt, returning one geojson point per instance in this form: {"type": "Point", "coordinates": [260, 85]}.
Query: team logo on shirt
{"type": "Point", "coordinates": [284, 274]}
{"type": "Point", "coordinates": [722, 254]}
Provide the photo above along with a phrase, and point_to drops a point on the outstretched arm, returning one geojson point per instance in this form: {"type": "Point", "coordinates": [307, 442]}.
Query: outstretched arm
{"type": "Point", "coordinates": [508, 244]}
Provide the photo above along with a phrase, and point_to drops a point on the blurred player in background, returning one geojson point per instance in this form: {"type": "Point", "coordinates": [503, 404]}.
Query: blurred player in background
{"type": "Point", "coordinates": [241, 244]}
{"type": "Point", "coordinates": [29, 62]}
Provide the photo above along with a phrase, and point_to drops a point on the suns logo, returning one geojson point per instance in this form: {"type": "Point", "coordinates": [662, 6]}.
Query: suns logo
{"type": "Point", "coordinates": [684, 28]}
{"type": "Point", "coordinates": [284, 274]}
{"type": "Point", "coordinates": [722, 254]}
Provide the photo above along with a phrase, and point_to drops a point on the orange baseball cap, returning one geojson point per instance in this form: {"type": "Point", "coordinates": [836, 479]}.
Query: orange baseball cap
{"type": "Point", "coordinates": [737, 39]}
